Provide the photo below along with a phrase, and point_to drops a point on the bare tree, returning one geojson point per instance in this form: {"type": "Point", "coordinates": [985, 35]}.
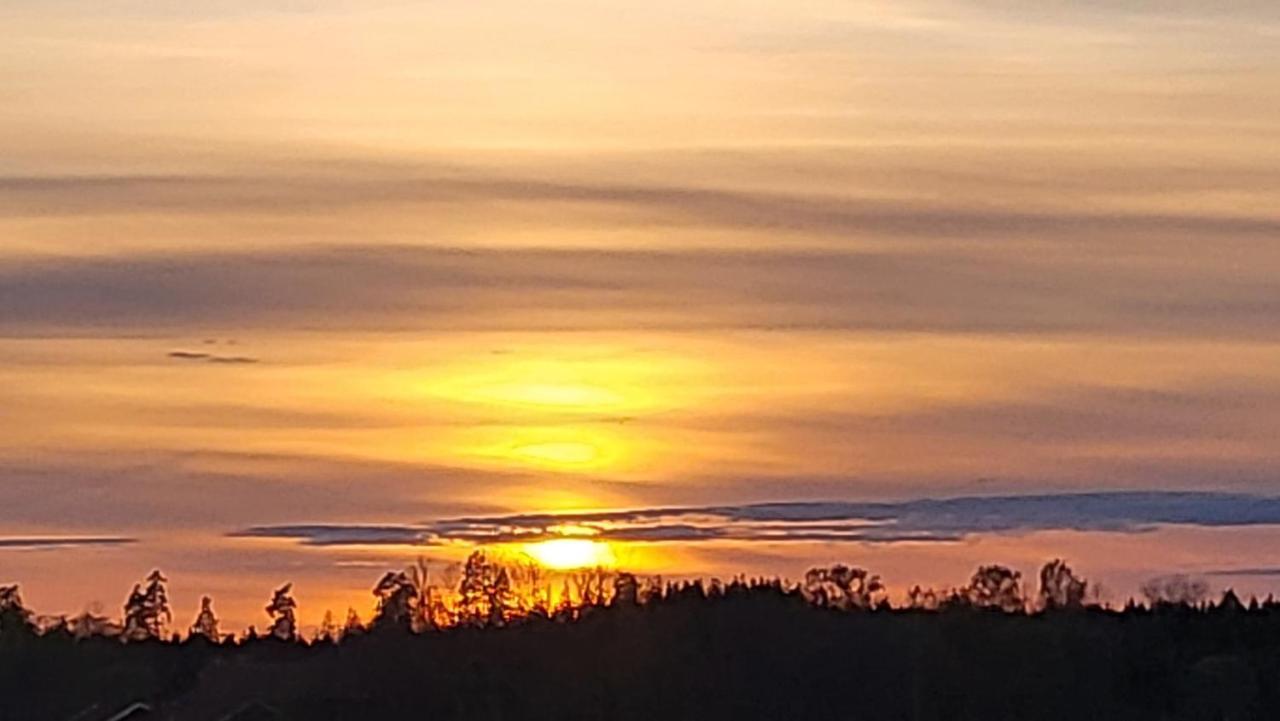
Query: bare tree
{"type": "Point", "coordinates": [206, 623]}
{"type": "Point", "coordinates": [283, 612]}
{"type": "Point", "coordinates": [420, 576]}
{"type": "Point", "coordinates": [564, 610]}
{"type": "Point", "coordinates": [1060, 588]}
{"type": "Point", "coordinates": [530, 581]}
{"type": "Point", "coordinates": [591, 584]}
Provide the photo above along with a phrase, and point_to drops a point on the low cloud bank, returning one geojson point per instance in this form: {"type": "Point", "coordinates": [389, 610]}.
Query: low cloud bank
{"type": "Point", "coordinates": [923, 520]}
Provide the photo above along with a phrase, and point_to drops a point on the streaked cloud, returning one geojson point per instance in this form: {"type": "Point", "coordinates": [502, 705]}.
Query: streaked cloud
{"type": "Point", "coordinates": [37, 542]}
{"type": "Point", "coordinates": [1244, 572]}
{"type": "Point", "coordinates": [427, 288]}
{"type": "Point", "coordinates": [662, 205]}
{"type": "Point", "coordinates": [925, 520]}
{"type": "Point", "coordinates": [211, 358]}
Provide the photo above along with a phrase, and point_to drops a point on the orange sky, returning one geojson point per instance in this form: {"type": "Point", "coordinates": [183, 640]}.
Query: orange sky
{"type": "Point", "coordinates": [327, 262]}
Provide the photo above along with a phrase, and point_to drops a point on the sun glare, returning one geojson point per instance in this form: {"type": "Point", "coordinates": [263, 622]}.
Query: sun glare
{"type": "Point", "coordinates": [571, 553]}
{"type": "Point", "coordinates": [560, 454]}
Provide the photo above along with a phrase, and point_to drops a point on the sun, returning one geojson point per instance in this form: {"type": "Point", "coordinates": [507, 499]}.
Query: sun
{"type": "Point", "coordinates": [564, 554]}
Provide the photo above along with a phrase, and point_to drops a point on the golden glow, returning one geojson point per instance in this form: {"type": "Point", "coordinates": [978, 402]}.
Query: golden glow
{"type": "Point", "coordinates": [573, 529]}
{"type": "Point", "coordinates": [570, 553]}
{"type": "Point", "coordinates": [560, 454]}
{"type": "Point", "coordinates": [552, 394]}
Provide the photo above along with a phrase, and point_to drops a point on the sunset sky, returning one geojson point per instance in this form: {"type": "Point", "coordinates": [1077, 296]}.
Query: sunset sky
{"type": "Point", "coordinates": [300, 290]}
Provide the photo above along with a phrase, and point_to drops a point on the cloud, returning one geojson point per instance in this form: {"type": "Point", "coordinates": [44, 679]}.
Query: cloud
{"type": "Point", "coordinates": [36, 542]}
{"type": "Point", "coordinates": [923, 520]}
{"type": "Point", "coordinates": [406, 288]}
{"type": "Point", "coordinates": [655, 204]}
{"type": "Point", "coordinates": [157, 491]}
{"type": "Point", "coordinates": [211, 358]}
{"type": "Point", "coordinates": [340, 535]}
{"type": "Point", "coordinates": [1243, 572]}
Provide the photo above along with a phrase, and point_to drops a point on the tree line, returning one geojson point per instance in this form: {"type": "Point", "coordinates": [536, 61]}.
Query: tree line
{"type": "Point", "coordinates": [490, 592]}
{"type": "Point", "coordinates": [493, 640]}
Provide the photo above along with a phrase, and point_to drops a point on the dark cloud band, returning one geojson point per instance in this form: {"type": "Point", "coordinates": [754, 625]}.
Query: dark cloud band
{"type": "Point", "coordinates": [20, 542]}
{"type": "Point", "coordinates": [405, 288]}
{"type": "Point", "coordinates": [925, 520]}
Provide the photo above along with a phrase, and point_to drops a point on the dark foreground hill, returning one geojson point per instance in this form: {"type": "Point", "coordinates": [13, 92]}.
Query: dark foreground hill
{"type": "Point", "coordinates": [752, 655]}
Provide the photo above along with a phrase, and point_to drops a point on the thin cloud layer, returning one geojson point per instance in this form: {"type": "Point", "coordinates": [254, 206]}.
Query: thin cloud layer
{"type": "Point", "coordinates": [424, 288]}
{"type": "Point", "coordinates": [36, 542]}
{"type": "Point", "coordinates": [924, 520]}
{"type": "Point", "coordinates": [663, 205]}
{"type": "Point", "coordinates": [184, 355]}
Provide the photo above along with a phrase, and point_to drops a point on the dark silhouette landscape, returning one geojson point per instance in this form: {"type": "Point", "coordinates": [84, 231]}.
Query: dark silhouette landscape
{"type": "Point", "coordinates": [614, 646]}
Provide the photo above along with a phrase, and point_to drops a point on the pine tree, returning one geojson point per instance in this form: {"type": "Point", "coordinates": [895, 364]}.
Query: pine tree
{"type": "Point", "coordinates": [397, 602]}
{"type": "Point", "coordinates": [282, 609]}
{"type": "Point", "coordinates": [146, 611]}
{"type": "Point", "coordinates": [353, 625]}
{"type": "Point", "coordinates": [328, 631]}
{"type": "Point", "coordinates": [473, 605]}
{"type": "Point", "coordinates": [206, 623]}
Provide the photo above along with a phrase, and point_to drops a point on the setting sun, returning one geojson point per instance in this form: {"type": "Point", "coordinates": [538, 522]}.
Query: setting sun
{"type": "Point", "coordinates": [571, 553]}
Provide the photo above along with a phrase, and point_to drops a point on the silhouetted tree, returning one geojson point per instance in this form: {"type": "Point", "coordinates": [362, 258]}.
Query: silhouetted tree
{"type": "Point", "coordinates": [591, 585]}
{"type": "Point", "coordinates": [90, 623]}
{"type": "Point", "coordinates": [743, 650]}
{"type": "Point", "coordinates": [473, 600]}
{"type": "Point", "coordinates": [486, 593]}
{"type": "Point", "coordinates": [1175, 590]}
{"type": "Point", "coordinates": [14, 616]}
{"type": "Point", "coordinates": [841, 587]}
{"type": "Point", "coordinates": [397, 596]}
{"type": "Point", "coordinates": [353, 626]}
{"type": "Point", "coordinates": [626, 590]}
{"type": "Point", "coordinates": [1230, 602]}
{"type": "Point", "coordinates": [1060, 588]}
{"type": "Point", "coordinates": [146, 611]}
{"type": "Point", "coordinates": [529, 579]}
{"type": "Point", "coordinates": [924, 599]}
{"type": "Point", "coordinates": [283, 612]}
{"type": "Point", "coordinates": [651, 591]}
{"type": "Point", "coordinates": [503, 602]}
{"type": "Point", "coordinates": [427, 603]}
{"type": "Point", "coordinates": [206, 623]}
{"type": "Point", "coordinates": [564, 606]}
{"type": "Point", "coordinates": [995, 587]}
{"type": "Point", "coordinates": [328, 631]}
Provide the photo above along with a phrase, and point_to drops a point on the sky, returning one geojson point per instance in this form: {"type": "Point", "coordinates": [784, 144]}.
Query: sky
{"type": "Point", "coordinates": [300, 290]}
